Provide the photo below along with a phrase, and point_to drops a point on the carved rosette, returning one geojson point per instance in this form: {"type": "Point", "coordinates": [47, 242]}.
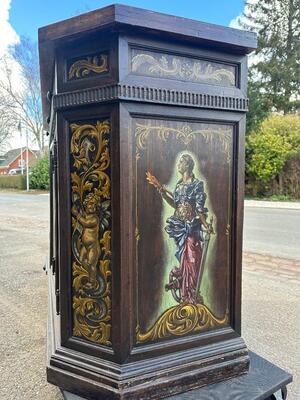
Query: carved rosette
{"type": "Point", "coordinates": [91, 234]}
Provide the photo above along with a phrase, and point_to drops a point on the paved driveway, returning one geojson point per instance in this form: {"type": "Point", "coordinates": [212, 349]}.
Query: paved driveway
{"type": "Point", "coordinates": [270, 304]}
{"type": "Point", "coordinates": [273, 231]}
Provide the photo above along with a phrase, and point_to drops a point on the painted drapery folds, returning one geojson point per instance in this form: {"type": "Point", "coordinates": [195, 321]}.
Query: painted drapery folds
{"type": "Point", "coordinates": [91, 230]}
{"type": "Point", "coordinates": [183, 231]}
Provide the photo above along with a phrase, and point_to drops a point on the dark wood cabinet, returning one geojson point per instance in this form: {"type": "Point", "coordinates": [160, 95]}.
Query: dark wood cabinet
{"type": "Point", "coordinates": [146, 116]}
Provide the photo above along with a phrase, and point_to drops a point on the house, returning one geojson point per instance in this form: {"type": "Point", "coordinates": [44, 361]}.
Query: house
{"type": "Point", "coordinates": [11, 162]}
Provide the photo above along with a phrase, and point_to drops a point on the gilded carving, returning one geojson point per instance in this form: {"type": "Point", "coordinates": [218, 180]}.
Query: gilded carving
{"type": "Point", "coordinates": [82, 68]}
{"type": "Point", "coordinates": [186, 68]}
{"type": "Point", "coordinates": [180, 320]}
{"type": "Point", "coordinates": [91, 235]}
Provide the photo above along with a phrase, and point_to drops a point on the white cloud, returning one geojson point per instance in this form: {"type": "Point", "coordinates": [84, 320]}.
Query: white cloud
{"type": "Point", "coordinates": [8, 35]}
{"type": "Point", "coordinates": [235, 22]}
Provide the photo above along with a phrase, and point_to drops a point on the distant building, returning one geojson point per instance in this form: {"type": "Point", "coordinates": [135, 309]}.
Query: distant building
{"type": "Point", "coordinates": [11, 162]}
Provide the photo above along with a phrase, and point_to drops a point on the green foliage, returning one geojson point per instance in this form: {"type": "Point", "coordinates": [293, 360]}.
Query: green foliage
{"type": "Point", "coordinates": [259, 106]}
{"type": "Point", "coordinates": [276, 65]}
{"type": "Point", "coordinates": [39, 177]}
{"type": "Point", "coordinates": [271, 145]}
{"type": "Point", "coordinates": [268, 157]}
{"type": "Point", "coordinates": [13, 182]}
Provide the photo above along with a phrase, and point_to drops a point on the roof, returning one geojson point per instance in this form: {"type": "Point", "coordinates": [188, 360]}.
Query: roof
{"type": "Point", "coordinates": [7, 158]}
{"type": "Point", "coordinates": [118, 16]}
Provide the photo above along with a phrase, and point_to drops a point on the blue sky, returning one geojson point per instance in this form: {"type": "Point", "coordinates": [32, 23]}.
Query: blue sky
{"type": "Point", "coordinates": [26, 16]}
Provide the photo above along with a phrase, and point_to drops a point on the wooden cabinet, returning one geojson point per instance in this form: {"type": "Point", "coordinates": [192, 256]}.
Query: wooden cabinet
{"type": "Point", "coordinates": [146, 115]}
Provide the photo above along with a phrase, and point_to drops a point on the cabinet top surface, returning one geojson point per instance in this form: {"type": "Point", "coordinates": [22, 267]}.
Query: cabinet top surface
{"type": "Point", "coordinates": [118, 15]}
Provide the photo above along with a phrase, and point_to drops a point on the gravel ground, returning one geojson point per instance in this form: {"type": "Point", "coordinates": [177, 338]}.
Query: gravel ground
{"type": "Point", "coordinates": [23, 300]}
{"type": "Point", "coordinates": [271, 305]}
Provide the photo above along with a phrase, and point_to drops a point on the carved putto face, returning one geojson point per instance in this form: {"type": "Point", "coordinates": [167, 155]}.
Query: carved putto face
{"type": "Point", "coordinates": [91, 204]}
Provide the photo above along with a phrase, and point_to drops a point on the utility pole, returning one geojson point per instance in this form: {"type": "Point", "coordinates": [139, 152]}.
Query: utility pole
{"type": "Point", "coordinates": [27, 163]}
{"type": "Point", "coordinates": [20, 130]}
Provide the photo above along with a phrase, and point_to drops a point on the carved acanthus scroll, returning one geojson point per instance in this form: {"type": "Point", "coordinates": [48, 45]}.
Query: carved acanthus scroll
{"type": "Point", "coordinates": [91, 234]}
{"type": "Point", "coordinates": [181, 320]}
{"type": "Point", "coordinates": [84, 67]}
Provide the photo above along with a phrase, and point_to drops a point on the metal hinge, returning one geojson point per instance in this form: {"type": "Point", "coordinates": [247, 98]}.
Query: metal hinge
{"type": "Point", "coordinates": [53, 265]}
{"type": "Point", "coordinates": [57, 294]}
{"type": "Point", "coordinates": [54, 155]}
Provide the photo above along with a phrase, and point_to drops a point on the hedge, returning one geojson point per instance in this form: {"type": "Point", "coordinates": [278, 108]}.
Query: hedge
{"type": "Point", "coordinates": [273, 157]}
{"type": "Point", "coordinates": [13, 182]}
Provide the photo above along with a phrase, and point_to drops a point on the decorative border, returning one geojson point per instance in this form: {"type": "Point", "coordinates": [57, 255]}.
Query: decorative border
{"type": "Point", "coordinates": [91, 234]}
{"type": "Point", "coordinates": [151, 95]}
{"type": "Point", "coordinates": [166, 65]}
{"type": "Point", "coordinates": [186, 135]}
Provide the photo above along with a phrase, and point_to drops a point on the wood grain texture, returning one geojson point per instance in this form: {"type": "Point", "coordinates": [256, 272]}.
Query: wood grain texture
{"type": "Point", "coordinates": [129, 368]}
{"type": "Point", "coordinates": [149, 95]}
{"type": "Point", "coordinates": [263, 379]}
{"type": "Point", "coordinates": [117, 18]}
{"type": "Point", "coordinates": [147, 19]}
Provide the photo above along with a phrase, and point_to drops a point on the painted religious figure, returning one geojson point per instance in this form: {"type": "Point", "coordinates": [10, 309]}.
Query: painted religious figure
{"type": "Point", "coordinates": [189, 228]}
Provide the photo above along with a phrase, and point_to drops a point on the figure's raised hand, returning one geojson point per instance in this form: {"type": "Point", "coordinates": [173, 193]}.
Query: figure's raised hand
{"type": "Point", "coordinates": [153, 181]}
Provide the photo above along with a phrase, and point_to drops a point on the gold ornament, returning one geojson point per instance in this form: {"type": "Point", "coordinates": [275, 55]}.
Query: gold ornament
{"type": "Point", "coordinates": [82, 68]}
{"type": "Point", "coordinates": [181, 320]}
{"type": "Point", "coordinates": [91, 235]}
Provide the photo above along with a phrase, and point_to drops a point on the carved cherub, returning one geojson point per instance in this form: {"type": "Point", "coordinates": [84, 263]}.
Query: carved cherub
{"type": "Point", "coordinates": [89, 251]}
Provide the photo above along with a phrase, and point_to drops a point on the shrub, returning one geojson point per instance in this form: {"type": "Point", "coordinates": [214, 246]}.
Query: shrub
{"type": "Point", "coordinates": [39, 177]}
{"type": "Point", "coordinates": [13, 181]}
{"type": "Point", "coordinates": [268, 157]}
{"type": "Point", "coordinates": [271, 145]}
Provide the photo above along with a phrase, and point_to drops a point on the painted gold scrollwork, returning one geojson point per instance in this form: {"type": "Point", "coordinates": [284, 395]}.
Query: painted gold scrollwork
{"type": "Point", "coordinates": [186, 68]}
{"type": "Point", "coordinates": [180, 320]}
{"type": "Point", "coordinates": [82, 68]}
{"type": "Point", "coordinates": [91, 234]}
{"type": "Point", "coordinates": [185, 134]}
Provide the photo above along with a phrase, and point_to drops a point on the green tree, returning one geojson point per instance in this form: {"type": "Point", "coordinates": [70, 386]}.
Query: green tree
{"type": "Point", "coordinates": [276, 66]}
{"type": "Point", "coordinates": [259, 106]}
{"type": "Point", "coordinates": [39, 177]}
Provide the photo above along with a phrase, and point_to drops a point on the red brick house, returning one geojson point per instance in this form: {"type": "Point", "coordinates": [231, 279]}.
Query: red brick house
{"type": "Point", "coordinates": [10, 162]}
